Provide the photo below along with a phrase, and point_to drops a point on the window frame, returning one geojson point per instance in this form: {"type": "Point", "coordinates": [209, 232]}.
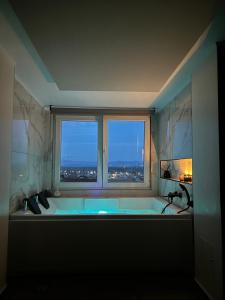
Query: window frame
{"type": "Point", "coordinates": [121, 185]}
{"type": "Point", "coordinates": [75, 185]}
{"type": "Point", "coordinates": [102, 160]}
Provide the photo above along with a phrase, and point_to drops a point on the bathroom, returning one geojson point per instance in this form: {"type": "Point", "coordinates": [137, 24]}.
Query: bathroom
{"type": "Point", "coordinates": [100, 178]}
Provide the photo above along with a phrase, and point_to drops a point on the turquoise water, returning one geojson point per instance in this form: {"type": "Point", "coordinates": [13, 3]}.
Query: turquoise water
{"type": "Point", "coordinates": [106, 212]}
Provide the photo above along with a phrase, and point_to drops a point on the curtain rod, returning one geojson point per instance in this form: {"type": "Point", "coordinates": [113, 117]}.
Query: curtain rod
{"type": "Point", "coordinates": [97, 110]}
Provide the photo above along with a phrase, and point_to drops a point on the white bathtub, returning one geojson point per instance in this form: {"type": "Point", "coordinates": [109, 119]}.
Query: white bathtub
{"type": "Point", "coordinates": [78, 235]}
{"type": "Point", "coordinates": [104, 206]}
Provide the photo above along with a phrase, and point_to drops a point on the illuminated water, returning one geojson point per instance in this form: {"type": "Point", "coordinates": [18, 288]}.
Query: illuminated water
{"type": "Point", "coordinates": [106, 212]}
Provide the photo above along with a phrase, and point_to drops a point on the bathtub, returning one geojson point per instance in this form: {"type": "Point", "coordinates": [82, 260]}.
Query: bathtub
{"type": "Point", "coordinates": [77, 235]}
{"type": "Point", "coordinates": [75, 207]}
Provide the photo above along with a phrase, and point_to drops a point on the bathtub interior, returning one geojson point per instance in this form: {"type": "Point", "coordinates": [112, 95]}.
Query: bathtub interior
{"type": "Point", "coordinates": [104, 206]}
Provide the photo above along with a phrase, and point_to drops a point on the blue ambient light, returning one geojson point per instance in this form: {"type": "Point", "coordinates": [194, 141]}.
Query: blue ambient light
{"type": "Point", "coordinates": [102, 212]}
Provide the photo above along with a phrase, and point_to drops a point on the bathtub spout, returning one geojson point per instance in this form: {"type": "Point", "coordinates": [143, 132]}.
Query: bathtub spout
{"type": "Point", "coordinates": [174, 194]}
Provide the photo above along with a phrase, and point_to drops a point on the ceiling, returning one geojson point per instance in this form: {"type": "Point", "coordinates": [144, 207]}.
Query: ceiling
{"type": "Point", "coordinates": [124, 46]}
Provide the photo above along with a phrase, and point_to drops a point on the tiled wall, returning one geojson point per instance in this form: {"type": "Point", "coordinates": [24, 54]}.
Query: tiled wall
{"type": "Point", "coordinates": [175, 138]}
{"type": "Point", "coordinates": [29, 150]}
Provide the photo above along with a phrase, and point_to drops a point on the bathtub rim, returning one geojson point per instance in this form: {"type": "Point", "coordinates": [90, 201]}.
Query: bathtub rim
{"type": "Point", "coordinates": [107, 217]}
{"type": "Point", "coordinates": [187, 215]}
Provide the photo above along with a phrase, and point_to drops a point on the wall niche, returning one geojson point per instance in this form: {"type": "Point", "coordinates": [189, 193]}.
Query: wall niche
{"type": "Point", "coordinates": [177, 170]}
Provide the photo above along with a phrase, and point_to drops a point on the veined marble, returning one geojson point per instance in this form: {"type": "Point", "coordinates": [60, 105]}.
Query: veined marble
{"type": "Point", "coordinates": [29, 148]}
{"type": "Point", "coordinates": [175, 138]}
{"type": "Point", "coordinates": [48, 153]}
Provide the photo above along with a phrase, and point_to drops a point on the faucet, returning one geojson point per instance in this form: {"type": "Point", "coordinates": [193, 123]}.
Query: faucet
{"type": "Point", "coordinates": [174, 194]}
{"type": "Point", "coordinates": [170, 196]}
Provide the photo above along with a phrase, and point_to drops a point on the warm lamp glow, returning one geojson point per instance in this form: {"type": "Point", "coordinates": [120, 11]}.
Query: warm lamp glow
{"type": "Point", "coordinates": [188, 171]}
{"type": "Point", "coordinates": [187, 178]}
{"type": "Point", "coordinates": [180, 169]}
{"type": "Point", "coordinates": [181, 177]}
{"type": "Point", "coordinates": [184, 167]}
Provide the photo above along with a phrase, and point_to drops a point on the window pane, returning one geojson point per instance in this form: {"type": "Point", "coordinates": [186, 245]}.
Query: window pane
{"type": "Point", "coordinates": [126, 151]}
{"type": "Point", "coordinates": [79, 151]}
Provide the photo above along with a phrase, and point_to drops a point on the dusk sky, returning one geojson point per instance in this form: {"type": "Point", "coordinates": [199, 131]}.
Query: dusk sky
{"type": "Point", "coordinates": [126, 140]}
{"type": "Point", "coordinates": [79, 141]}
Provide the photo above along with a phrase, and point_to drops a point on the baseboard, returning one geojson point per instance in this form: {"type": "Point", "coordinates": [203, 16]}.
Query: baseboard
{"type": "Point", "coordinates": [3, 288]}
{"type": "Point", "coordinates": [203, 288]}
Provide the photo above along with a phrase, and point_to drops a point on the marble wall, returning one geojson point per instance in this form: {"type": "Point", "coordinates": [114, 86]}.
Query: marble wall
{"type": "Point", "coordinates": [29, 148]}
{"type": "Point", "coordinates": [175, 138]}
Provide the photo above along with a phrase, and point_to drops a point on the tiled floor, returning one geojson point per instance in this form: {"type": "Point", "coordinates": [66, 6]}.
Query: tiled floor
{"type": "Point", "coordinates": [107, 288]}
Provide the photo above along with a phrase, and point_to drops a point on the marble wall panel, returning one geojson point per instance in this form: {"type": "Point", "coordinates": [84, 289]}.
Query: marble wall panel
{"type": "Point", "coordinates": [175, 138]}
{"type": "Point", "coordinates": [29, 131]}
{"type": "Point", "coordinates": [48, 153]}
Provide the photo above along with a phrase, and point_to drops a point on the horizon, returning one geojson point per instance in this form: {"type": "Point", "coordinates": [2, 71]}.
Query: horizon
{"type": "Point", "coordinates": [71, 164]}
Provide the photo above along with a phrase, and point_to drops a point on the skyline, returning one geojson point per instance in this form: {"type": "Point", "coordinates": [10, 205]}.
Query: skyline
{"type": "Point", "coordinates": [67, 164]}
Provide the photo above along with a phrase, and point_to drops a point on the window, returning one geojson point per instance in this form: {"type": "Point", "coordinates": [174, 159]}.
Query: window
{"type": "Point", "coordinates": [77, 155]}
{"type": "Point", "coordinates": [126, 151]}
{"type": "Point", "coordinates": [117, 145]}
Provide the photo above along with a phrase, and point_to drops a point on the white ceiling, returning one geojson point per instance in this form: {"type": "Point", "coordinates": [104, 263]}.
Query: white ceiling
{"type": "Point", "coordinates": [104, 53]}
{"type": "Point", "coordinates": [47, 93]}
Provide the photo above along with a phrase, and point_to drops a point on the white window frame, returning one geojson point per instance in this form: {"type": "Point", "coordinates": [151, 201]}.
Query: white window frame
{"type": "Point", "coordinates": [146, 183]}
{"type": "Point", "coordinates": [102, 164]}
{"type": "Point", "coordinates": [76, 185]}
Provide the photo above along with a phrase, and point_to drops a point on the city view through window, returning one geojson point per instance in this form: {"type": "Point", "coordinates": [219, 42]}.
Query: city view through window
{"type": "Point", "coordinates": [79, 151]}
{"type": "Point", "coordinates": [125, 151]}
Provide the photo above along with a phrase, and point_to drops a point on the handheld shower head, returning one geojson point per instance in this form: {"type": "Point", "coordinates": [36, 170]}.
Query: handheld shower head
{"type": "Point", "coordinates": [189, 202]}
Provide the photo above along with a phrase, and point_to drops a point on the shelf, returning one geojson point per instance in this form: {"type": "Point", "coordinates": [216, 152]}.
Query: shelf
{"type": "Point", "coordinates": [184, 182]}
